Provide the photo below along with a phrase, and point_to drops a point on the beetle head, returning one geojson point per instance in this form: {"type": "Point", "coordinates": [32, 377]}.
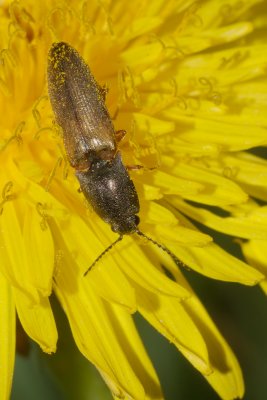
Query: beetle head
{"type": "Point", "coordinates": [126, 225]}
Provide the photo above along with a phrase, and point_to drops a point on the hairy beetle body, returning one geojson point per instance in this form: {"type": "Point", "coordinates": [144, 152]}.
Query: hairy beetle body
{"type": "Point", "coordinates": [79, 107]}
{"type": "Point", "coordinates": [90, 143]}
{"type": "Point", "coordinates": [89, 139]}
{"type": "Point", "coordinates": [111, 192]}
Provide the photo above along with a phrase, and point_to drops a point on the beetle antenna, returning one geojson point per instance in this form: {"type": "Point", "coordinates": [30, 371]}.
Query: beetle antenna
{"type": "Point", "coordinates": [103, 253]}
{"type": "Point", "coordinates": [177, 261]}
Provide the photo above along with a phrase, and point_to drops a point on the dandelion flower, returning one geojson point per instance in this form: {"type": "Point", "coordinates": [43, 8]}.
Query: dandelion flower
{"type": "Point", "coordinates": [187, 81]}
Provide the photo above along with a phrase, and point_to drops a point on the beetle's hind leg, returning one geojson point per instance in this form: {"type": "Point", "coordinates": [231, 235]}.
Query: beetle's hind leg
{"type": "Point", "coordinates": [119, 135]}
{"type": "Point", "coordinates": [103, 91]}
{"type": "Point", "coordinates": [138, 166]}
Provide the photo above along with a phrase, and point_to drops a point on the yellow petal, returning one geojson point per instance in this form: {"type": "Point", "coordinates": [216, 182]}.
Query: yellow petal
{"type": "Point", "coordinates": [255, 253]}
{"type": "Point", "coordinates": [167, 226]}
{"type": "Point", "coordinates": [154, 126]}
{"type": "Point", "coordinates": [226, 377]}
{"type": "Point", "coordinates": [182, 236]}
{"type": "Point", "coordinates": [255, 93]}
{"type": "Point", "coordinates": [151, 192]}
{"type": "Point", "coordinates": [7, 337]}
{"type": "Point", "coordinates": [250, 171]}
{"type": "Point", "coordinates": [154, 213]}
{"type": "Point", "coordinates": [81, 245]}
{"type": "Point", "coordinates": [217, 190]}
{"type": "Point", "coordinates": [225, 374]}
{"type": "Point", "coordinates": [213, 37]}
{"type": "Point", "coordinates": [216, 263]}
{"type": "Point", "coordinates": [140, 269]}
{"type": "Point", "coordinates": [14, 265]}
{"type": "Point", "coordinates": [263, 285]}
{"type": "Point", "coordinates": [219, 132]}
{"type": "Point", "coordinates": [142, 56]}
{"type": "Point", "coordinates": [251, 225]}
{"type": "Point", "coordinates": [141, 26]}
{"type": "Point", "coordinates": [171, 319]}
{"type": "Point", "coordinates": [132, 345]}
{"type": "Point", "coordinates": [95, 335]}
{"type": "Point", "coordinates": [37, 321]}
{"type": "Point", "coordinates": [197, 150]}
{"type": "Point", "coordinates": [34, 193]}
{"type": "Point", "coordinates": [170, 184]}
{"type": "Point", "coordinates": [108, 277]}
{"type": "Point", "coordinates": [229, 67]}
{"type": "Point", "coordinates": [39, 251]}
{"type": "Point", "coordinates": [107, 280]}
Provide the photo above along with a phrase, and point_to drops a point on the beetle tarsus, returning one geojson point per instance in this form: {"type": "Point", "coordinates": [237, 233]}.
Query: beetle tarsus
{"type": "Point", "coordinates": [119, 135]}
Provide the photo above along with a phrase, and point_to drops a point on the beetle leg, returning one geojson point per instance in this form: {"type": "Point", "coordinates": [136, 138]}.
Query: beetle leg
{"type": "Point", "coordinates": [138, 166]}
{"type": "Point", "coordinates": [119, 135]}
{"type": "Point", "coordinates": [103, 91]}
{"type": "Point", "coordinates": [134, 167]}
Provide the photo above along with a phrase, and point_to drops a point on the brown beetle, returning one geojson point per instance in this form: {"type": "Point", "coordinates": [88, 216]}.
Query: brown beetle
{"type": "Point", "coordinates": [90, 142]}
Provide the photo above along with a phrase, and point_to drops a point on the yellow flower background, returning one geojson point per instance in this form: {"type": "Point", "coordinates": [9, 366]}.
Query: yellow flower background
{"type": "Point", "coordinates": [187, 80]}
